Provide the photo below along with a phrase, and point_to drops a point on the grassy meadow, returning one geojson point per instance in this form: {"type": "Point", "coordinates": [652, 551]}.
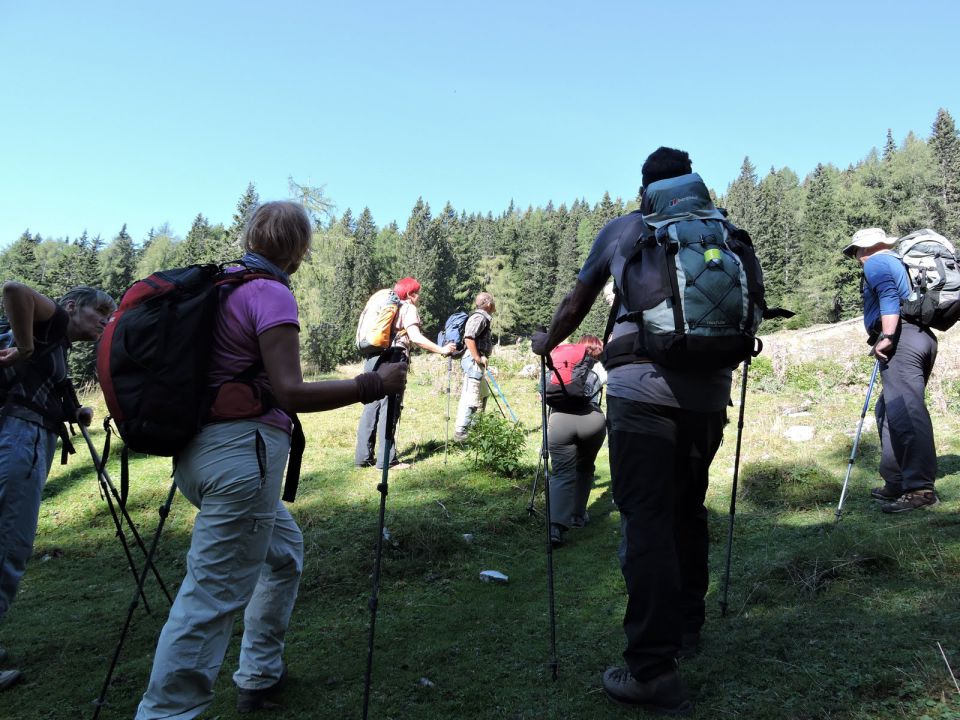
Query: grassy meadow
{"type": "Point", "coordinates": [826, 620]}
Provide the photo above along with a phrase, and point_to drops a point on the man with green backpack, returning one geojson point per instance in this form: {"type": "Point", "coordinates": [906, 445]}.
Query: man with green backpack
{"type": "Point", "coordinates": [688, 301]}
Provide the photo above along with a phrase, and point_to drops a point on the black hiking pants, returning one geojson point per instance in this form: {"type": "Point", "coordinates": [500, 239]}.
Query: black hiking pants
{"type": "Point", "coordinates": [908, 456]}
{"type": "Point", "coordinates": [659, 464]}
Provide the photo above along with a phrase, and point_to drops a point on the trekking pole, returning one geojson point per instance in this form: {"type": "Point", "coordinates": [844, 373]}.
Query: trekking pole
{"type": "Point", "coordinates": [99, 466]}
{"type": "Point", "coordinates": [109, 489]}
{"type": "Point", "coordinates": [495, 401]}
{"type": "Point", "coordinates": [383, 488]}
{"type": "Point", "coordinates": [446, 437]}
{"type": "Point", "coordinates": [500, 392]}
{"type": "Point", "coordinates": [856, 440]}
{"type": "Point", "coordinates": [164, 511]}
{"type": "Point", "coordinates": [733, 492]}
{"type": "Point", "coordinates": [533, 488]}
{"type": "Point", "coordinates": [545, 458]}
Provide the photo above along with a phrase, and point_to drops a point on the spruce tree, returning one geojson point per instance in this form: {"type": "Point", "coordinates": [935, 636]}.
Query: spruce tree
{"type": "Point", "coordinates": [422, 259]}
{"type": "Point", "coordinates": [245, 207]}
{"type": "Point", "coordinates": [118, 264]}
{"type": "Point", "coordinates": [742, 196]}
{"type": "Point", "coordinates": [890, 147]}
{"type": "Point", "coordinates": [945, 145]}
{"type": "Point", "coordinates": [19, 261]}
{"type": "Point", "coordinates": [194, 248]}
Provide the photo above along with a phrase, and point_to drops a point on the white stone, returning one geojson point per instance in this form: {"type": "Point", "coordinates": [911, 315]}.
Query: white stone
{"type": "Point", "coordinates": [494, 576]}
{"type": "Point", "coordinates": [799, 433]}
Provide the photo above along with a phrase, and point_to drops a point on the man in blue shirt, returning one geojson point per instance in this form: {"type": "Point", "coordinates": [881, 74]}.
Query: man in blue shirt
{"type": "Point", "coordinates": [906, 352]}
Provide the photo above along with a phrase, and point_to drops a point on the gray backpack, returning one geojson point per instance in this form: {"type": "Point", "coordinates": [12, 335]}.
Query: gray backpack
{"type": "Point", "coordinates": [934, 274]}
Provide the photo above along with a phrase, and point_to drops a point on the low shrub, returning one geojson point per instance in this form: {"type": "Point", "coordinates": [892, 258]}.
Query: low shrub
{"type": "Point", "coordinates": [495, 444]}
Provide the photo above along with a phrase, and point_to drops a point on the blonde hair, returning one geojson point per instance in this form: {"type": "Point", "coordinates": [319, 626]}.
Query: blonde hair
{"type": "Point", "coordinates": [278, 230]}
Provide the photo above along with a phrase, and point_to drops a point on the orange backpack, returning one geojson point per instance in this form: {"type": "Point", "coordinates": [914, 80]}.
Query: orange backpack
{"type": "Point", "coordinates": [375, 329]}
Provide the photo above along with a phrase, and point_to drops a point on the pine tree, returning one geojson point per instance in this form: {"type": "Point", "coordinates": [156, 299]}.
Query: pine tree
{"type": "Point", "coordinates": [422, 258]}
{"type": "Point", "coordinates": [890, 147]}
{"type": "Point", "coordinates": [245, 207]}
{"type": "Point", "coordinates": [20, 261]}
{"type": "Point", "coordinates": [118, 264]}
{"type": "Point", "coordinates": [825, 292]}
{"type": "Point", "coordinates": [776, 232]}
{"type": "Point", "coordinates": [538, 258]}
{"type": "Point", "coordinates": [194, 247]}
{"type": "Point", "coordinates": [742, 196]}
{"type": "Point", "coordinates": [945, 145]}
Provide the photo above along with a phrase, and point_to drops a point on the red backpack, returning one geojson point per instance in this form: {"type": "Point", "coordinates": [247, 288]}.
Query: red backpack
{"type": "Point", "coordinates": [153, 357]}
{"type": "Point", "coordinates": [573, 365]}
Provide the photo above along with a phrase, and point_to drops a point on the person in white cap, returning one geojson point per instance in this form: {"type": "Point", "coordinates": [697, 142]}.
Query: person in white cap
{"type": "Point", "coordinates": [906, 353]}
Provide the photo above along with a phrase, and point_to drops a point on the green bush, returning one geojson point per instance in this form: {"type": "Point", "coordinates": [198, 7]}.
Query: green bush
{"type": "Point", "coordinates": [495, 444]}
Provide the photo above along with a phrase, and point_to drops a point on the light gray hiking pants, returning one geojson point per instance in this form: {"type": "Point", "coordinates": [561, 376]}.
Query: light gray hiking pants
{"type": "Point", "coordinates": [574, 442]}
{"type": "Point", "coordinates": [246, 553]}
{"type": "Point", "coordinates": [473, 394]}
{"type": "Point", "coordinates": [908, 456]}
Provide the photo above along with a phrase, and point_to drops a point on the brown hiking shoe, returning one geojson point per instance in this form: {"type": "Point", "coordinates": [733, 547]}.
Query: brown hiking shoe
{"type": "Point", "coordinates": [664, 694]}
{"type": "Point", "coordinates": [912, 501]}
{"type": "Point", "coordinates": [249, 701]}
{"type": "Point", "coordinates": [886, 493]}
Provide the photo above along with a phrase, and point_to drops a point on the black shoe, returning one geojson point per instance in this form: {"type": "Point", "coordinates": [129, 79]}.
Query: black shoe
{"type": "Point", "coordinates": [262, 698]}
{"type": "Point", "coordinates": [912, 501]}
{"type": "Point", "coordinates": [690, 644]}
{"type": "Point", "coordinates": [885, 493]}
{"type": "Point", "coordinates": [664, 694]}
{"type": "Point", "coordinates": [556, 535]}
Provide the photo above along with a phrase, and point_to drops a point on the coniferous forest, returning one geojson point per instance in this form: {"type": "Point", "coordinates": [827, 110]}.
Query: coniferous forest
{"type": "Point", "coordinates": [528, 258]}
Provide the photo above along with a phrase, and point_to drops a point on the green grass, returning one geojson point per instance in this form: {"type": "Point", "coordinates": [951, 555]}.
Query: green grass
{"type": "Point", "coordinates": [825, 620]}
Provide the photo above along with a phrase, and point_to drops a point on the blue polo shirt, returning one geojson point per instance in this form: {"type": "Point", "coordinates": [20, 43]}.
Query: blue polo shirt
{"type": "Point", "coordinates": [885, 285]}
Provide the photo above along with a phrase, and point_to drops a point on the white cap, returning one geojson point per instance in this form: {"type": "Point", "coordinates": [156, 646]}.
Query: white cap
{"type": "Point", "coordinates": [868, 237]}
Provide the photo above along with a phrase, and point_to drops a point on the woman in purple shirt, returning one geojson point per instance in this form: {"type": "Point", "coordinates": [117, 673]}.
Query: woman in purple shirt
{"type": "Point", "coordinates": [246, 551]}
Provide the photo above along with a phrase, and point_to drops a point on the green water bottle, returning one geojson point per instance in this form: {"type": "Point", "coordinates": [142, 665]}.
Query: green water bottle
{"type": "Point", "coordinates": [713, 257]}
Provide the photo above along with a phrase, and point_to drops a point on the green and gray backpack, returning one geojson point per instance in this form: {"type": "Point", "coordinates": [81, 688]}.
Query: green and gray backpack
{"type": "Point", "coordinates": [692, 282]}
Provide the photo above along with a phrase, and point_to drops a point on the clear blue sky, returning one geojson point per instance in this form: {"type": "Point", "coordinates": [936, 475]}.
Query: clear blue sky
{"type": "Point", "coordinates": [144, 113]}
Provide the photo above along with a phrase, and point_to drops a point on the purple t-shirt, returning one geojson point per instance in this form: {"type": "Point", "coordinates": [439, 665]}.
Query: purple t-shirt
{"type": "Point", "coordinates": [246, 311]}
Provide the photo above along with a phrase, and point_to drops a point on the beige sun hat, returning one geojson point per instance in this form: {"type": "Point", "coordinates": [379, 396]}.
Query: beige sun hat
{"type": "Point", "coordinates": [868, 237]}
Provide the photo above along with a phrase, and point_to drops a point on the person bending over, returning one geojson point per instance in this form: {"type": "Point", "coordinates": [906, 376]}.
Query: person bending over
{"type": "Point", "coordinates": [37, 400]}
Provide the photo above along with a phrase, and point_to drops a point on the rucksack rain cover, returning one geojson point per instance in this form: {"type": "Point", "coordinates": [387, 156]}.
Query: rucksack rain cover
{"type": "Point", "coordinates": [692, 282]}
{"type": "Point", "coordinates": [573, 365]}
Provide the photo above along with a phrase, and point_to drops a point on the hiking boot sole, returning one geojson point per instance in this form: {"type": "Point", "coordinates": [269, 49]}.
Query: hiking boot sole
{"type": "Point", "coordinates": [685, 708]}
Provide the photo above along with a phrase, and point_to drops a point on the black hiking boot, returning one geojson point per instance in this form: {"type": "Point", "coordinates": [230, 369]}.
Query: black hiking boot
{"type": "Point", "coordinates": [886, 493]}
{"type": "Point", "coordinates": [262, 698]}
{"type": "Point", "coordinates": [912, 501]}
{"type": "Point", "coordinates": [664, 694]}
{"type": "Point", "coordinates": [556, 535]}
